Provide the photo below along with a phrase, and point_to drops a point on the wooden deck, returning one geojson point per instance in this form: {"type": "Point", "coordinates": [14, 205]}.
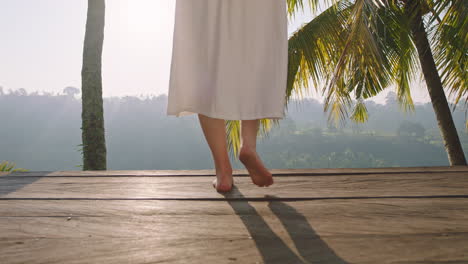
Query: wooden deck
{"type": "Point", "coordinates": [378, 215]}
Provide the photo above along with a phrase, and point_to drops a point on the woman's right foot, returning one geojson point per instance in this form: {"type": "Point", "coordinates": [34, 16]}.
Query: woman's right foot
{"type": "Point", "coordinates": [258, 173]}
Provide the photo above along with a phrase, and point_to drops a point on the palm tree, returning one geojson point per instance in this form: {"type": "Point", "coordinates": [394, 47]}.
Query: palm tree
{"type": "Point", "coordinates": [94, 146]}
{"type": "Point", "coordinates": [365, 46]}
{"type": "Point", "coordinates": [415, 10]}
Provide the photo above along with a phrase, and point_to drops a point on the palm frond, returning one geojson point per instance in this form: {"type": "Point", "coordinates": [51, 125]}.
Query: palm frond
{"type": "Point", "coordinates": [313, 49]}
{"type": "Point", "coordinates": [451, 48]}
{"type": "Point", "coordinates": [266, 125]}
{"type": "Point", "coordinates": [7, 166]}
{"type": "Point", "coordinates": [294, 6]}
{"type": "Point", "coordinates": [233, 133]}
{"type": "Point", "coordinates": [233, 136]}
{"type": "Point", "coordinates": [362, 66]}
{"type": "Point", "coordinates": [401, 52]}
{"type": "Point", "coordinates": [360, 114]}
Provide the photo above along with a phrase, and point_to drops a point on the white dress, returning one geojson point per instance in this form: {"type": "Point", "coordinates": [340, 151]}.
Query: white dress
{"type": "Point", "coordinates": [229, 59]}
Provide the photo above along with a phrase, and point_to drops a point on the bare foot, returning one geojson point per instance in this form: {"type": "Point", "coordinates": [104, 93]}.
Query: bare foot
{"type": "Point", "coordinates": [258, 173]}
{"type": "Point", "coordinates": [223, 183]}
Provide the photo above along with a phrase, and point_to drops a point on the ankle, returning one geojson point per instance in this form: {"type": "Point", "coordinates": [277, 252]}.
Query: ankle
{"type": "Point", "coordinates": [247, 154]}
{"type": "Point", "coordinates": [248, 149]}
{"type": "Point", "coordinates": [224, 171]}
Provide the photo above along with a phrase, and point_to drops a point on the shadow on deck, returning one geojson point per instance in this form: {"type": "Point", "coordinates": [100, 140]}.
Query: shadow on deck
{"type": "Point", "coordinates": [370, 215]}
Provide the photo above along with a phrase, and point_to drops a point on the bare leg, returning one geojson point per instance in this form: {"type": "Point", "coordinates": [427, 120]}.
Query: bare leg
{"type": "Point", "coordinates": [215, 135]}
{"type": "Point", "coordinates": [248, 154]}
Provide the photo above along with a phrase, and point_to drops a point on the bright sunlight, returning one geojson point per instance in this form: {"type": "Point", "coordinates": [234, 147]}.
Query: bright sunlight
{"type": "Point", "coordinates": [139, 16]}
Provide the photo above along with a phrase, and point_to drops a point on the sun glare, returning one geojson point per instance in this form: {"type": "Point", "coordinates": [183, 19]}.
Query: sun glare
{"type": "Point", "coordinates": [139, 16]}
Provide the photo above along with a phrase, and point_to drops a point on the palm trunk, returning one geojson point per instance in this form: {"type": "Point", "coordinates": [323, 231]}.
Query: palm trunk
{"type": "Point", "coordinates": [94, 146]}
{"type": "Point", "coordinates": [436, 92]}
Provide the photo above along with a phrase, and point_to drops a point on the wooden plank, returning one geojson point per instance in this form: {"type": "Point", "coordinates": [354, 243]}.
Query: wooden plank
{"type": "Point", "coordinates": [243, 172]}
{"type": "Point", "coordinates": [335, 231]}
{"type": "Point", "coordinates": [362, 230]}
{"type": "Point", "coordinates": [397, 215]}
{"type": "Point", "coordinates": [420, 248]}
{"type": "Point", "coordinates": [368, 185]}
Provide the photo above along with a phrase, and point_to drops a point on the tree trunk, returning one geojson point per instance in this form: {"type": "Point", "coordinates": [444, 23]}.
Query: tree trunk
{"type": "Point", "coordinates": [94, 146]}
{"type": "Point", "coordinates": [436, 91]}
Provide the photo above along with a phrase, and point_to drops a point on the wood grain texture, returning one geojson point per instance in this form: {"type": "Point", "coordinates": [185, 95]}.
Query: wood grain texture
{"type": "Point", "coordinates": [136, 187]}
{"type": "Point", "coordinates": [243, 172]}
{"type": "Point", "coordinates": [339, 231]}
{"type": "Point", "coordinates": [86, 224]}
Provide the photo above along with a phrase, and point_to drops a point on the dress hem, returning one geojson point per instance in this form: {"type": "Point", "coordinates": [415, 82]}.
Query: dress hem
{"type": "Point", "coordinates": [187, 112]}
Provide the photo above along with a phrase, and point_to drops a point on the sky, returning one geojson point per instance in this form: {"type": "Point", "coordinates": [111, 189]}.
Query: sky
{"type": "Point", "coordinates": [41, 46]}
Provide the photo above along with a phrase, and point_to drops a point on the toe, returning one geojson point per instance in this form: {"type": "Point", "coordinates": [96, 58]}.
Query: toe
{"type": "Point", "coordinates": [214, 183]}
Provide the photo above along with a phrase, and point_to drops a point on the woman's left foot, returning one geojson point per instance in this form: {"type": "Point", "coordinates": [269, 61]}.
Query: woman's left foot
{"type": "Point", "coordinates": [224, 184]}
{"type": "Point", "coordinates": [258, 173]}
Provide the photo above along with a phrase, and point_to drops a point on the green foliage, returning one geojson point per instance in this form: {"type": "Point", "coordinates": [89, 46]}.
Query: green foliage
{"type": "Point", "coordinates": [309, 147]}
{"type": "Point", "coordinates": [7, 166]}
{"type": "Point", "coordinates": [343, 159]}
{"type": "Point", "coordinates": [408, 128]}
